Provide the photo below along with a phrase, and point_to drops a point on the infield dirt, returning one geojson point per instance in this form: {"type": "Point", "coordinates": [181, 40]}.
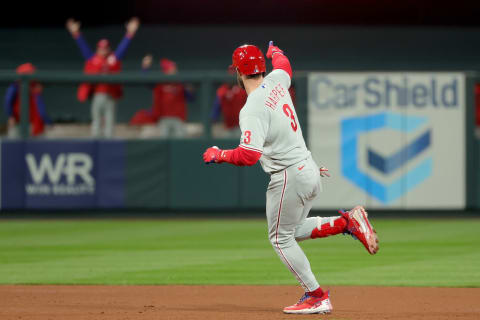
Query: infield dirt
{"type": "Point", "coordinates": [231, 302]}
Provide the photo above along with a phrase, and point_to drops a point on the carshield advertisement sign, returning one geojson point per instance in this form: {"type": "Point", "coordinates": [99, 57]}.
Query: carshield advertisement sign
{"type": "Point", "coordinates": [390, 140]}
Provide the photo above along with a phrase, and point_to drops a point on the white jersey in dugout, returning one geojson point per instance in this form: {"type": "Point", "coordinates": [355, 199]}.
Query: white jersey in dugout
{"type": "Point", "coordinates": [270, 125]}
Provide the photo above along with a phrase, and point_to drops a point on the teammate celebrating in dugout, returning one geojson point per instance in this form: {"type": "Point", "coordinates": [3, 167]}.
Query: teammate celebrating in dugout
{"type": "Point", "coordinates": [271, 133]}
{"type": "Point", "coordinates": [102, 61]}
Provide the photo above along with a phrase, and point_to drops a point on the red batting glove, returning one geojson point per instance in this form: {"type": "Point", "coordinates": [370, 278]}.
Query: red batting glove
{"type": "Point", "coordinates": [272, 50]}
{"type": "Point", "coordinates": [212, 155]}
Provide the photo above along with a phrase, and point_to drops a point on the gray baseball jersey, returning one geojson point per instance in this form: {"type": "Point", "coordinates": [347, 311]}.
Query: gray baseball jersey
{"type": "Point", "coordinates": [270, 125]}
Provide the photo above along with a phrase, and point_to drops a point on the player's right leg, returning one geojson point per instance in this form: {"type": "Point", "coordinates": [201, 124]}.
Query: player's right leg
{"type": "Point", "coordinates": [109, 106]}
{"type": "Point", "coordinates": [96, 113]}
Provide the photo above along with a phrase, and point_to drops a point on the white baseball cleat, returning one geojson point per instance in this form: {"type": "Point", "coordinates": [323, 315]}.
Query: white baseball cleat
{"type": "Point", "coordinates": [360, 227]}
{"type": "Point", "coordinates": [309, 304]}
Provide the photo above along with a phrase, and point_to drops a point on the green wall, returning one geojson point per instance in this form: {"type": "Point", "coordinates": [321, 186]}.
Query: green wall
{"type": "Point", "coordinates": [171, 174]}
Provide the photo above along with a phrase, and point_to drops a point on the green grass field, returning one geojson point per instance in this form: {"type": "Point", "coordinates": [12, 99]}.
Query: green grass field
{"type": "Point", "coordinates": [412, 253]}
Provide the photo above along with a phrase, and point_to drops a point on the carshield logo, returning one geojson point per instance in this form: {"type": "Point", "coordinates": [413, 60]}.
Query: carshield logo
{"type": "Point", "coordinates": [351, 130]}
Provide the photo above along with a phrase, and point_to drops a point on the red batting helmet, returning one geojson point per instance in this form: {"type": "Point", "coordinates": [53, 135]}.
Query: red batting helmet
{"type": "Point", "coordinates": [248, 59]}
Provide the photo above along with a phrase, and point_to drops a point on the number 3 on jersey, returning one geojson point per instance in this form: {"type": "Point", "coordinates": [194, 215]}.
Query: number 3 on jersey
{"type": "Point", "coordinates": [289, 113]}
{"type": "Point", "coordinates": [247, 135]}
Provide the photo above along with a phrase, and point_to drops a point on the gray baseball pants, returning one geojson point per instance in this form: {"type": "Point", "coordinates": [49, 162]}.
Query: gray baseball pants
{"type": "Point", "coordinates": [103, 112]}
{"type": "Point", "coordinates": [172, 127]}
{"type": "Point", "coordinates": [289, 199]}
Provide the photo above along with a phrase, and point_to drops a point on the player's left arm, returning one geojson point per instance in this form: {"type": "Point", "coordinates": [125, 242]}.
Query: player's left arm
{"type": "Point", "coordinates": [132, 27]}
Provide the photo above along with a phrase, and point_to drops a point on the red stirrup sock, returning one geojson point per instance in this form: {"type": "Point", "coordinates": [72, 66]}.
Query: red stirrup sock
{"type": "Point", "coordinates": [316, 293]}
{"type": "Point", "coordinates": [335, 226]}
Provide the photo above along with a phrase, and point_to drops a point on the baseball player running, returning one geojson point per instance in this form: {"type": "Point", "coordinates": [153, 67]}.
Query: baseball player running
{"type": "Point", "coordinates": [271, 133]}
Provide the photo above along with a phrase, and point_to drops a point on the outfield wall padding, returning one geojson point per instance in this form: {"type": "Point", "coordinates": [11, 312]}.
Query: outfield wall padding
{"type": "Point", "coordinates": [124, 174]}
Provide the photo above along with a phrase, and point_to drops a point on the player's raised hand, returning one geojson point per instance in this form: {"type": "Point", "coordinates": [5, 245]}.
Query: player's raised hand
{"type": "Point", "coordinates": [132, 26]}
{"type": "Point", "coordinates": [324, 172]}
{"type": "Point", "coordinates": [272, 50]}
{"type": "Point", "coordinates": [73, 26]}
{"type": "Point", "coordinates": [212, 155]}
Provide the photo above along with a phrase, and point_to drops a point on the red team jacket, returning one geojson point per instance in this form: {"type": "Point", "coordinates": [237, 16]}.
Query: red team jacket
{"type": "Point", "coordinates": [98, 65]}
{"type": "Point", "coordinates": [169, 100]}
{"type": "Point", "coordinates": [232, 99]}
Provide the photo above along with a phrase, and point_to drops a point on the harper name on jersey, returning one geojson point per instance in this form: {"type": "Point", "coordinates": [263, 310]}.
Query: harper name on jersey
{"type": "Point", "coordinates": [270, 125]}
{"type": "Point", "coordinates": [274, 96]}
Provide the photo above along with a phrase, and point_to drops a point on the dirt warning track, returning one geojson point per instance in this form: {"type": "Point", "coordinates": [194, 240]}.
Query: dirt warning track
{"type": "Point", "coordinates": [231, 302]}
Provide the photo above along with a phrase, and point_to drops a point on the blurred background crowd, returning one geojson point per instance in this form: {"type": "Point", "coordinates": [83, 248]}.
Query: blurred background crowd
{"type": "Point", "coordinates": [151, 37]}
{"type": "Point", "coordinates": [165, 117]}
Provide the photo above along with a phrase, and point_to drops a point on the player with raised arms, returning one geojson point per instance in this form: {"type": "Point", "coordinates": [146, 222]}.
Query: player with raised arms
{"type": "Point", "coordinates": [271, 133]}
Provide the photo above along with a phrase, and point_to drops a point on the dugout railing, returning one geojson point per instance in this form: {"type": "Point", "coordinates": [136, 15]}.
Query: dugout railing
{"type": "Point", "coordinates": [206, 80]}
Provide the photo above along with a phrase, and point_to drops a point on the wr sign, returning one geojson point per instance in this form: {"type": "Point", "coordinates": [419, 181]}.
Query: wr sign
{"type": "Point", "coordinates": [66, 174]}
